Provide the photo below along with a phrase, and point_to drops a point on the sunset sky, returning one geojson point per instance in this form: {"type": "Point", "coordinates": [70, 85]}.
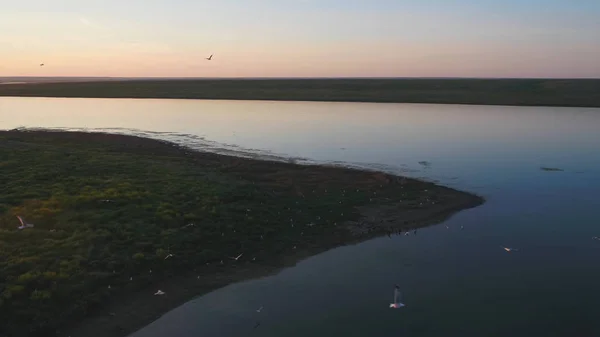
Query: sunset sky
{"type": "Point", "coordinates": [301, 38]}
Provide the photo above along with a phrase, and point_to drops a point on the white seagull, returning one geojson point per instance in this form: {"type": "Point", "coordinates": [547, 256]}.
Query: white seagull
{"type": "Point", "coordinates": [259, 309]}
{"type": "Point", "coordinates": [159, 292]}
{"type": "Point", "coordinates": [396, 304]}
{"type": "Point", "coordinates": [168, 256]}
{"type": "Point", "coordinates": [510, 249]}
{"type": "Point", "coordinates": [237, 258]}
{"type": "Point", "coordinates": [24, 224]}
{"type": "Point", "coordinates": [210, 57]}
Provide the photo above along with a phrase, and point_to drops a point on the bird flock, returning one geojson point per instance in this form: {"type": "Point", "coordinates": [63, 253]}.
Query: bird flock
{"type": "Point", "coordinates": [397, 294]}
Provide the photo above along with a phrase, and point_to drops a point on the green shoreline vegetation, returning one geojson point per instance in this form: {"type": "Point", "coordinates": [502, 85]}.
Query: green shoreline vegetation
{"type": "Point", "coordinates": [109, 210]}
{"type": "Point", "coordinates": [525, 92]}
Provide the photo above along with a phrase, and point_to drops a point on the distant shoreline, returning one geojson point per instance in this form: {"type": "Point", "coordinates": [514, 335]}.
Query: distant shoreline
{"type": "Point", "coordinates": [509, 92]}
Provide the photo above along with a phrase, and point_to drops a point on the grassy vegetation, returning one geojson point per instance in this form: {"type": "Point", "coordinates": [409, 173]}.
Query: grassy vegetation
{"type": "Point", "coordinates": [542, 92]}
{"type": "Point", "coordinates": [108, 209]}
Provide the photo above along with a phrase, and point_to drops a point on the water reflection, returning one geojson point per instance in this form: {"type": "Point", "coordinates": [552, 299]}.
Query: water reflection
{"type": "Point", "coordinates": [455, 282]}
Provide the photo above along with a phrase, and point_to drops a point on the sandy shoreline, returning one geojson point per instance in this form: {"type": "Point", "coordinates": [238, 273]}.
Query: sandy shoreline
{"type": "Point", "coordinates": [128, 311]}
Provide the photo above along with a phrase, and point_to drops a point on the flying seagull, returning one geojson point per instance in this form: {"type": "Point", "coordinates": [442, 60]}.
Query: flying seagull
{"type": "Point", "coordinates": [259, 309]}
{"type": "Point", "coordinates": [23, 223]}
{"type": "Point", "coordinates": [159, 292]}
{"type": "Point", "coordinates": [237, 258]}
{"type": "Point", "coordinates": [510, 249]}
{"type": "Point", "coordinates": [210, 57]}
{"type": "Point", "coordinates": [168, 256]}
{"type": "Point", "coordinates": [396, 303]}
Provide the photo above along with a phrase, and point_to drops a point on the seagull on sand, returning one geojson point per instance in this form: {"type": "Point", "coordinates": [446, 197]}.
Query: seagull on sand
{"type": "Point", "coordinates": [396, 304]}
{"type": "Point", "coordinates": [210, 57]}
{"type": "Point", "coordinates": [23, 223]}
{"type": "Point", "coordinates": [159, 292]}
{"type": "Point", "coordinates": [510, 249]}
{"type": "Point", "coordinates": [237, 258]}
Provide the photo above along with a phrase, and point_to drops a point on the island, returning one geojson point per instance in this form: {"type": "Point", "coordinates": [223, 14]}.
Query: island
{"type": "Point", "coordinates": [115, 218]}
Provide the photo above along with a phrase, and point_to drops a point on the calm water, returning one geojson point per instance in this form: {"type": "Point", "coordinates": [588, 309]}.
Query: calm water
{"type": "Point", "coordinates": [455, 283]}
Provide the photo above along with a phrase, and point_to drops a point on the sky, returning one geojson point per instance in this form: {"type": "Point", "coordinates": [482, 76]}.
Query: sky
{"type": "Point", "coordinates": [301, 38]}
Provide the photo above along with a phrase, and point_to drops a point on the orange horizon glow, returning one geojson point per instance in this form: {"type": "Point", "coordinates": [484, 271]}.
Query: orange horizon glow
{"type": "Point", "coordinates": [303, 39]}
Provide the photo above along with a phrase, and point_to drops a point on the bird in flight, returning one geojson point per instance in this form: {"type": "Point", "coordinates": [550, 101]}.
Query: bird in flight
{"type": "Point", "coordinates": [510, 249]}
{"type": "Point", "coordinates": [159, 292]}
{"type": "Point", "coordinates": [210, 57]}
{"type": "Point", "coordinates": [41, 64]}
{"type": "Point", "coordinates": [397, 304]}
{"type": "Point", "coordinates": [237, 258]}
{"type": "Point", "coordinates": [23, 223]}
{"type": "Point", "coordinates": [259, 309]}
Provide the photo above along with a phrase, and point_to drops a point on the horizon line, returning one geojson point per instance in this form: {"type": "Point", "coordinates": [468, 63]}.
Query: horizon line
{"type": "Point", "coordinates": [295, 77]}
